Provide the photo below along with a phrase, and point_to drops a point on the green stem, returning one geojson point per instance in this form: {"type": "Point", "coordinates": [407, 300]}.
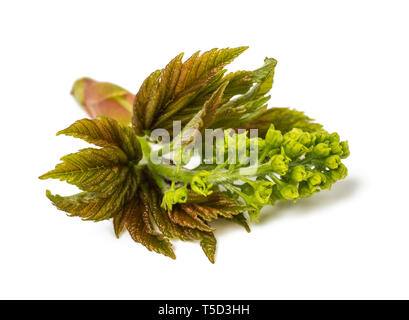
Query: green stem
{"type": "Point", "coordinates": [275, 179]}
{"type": "Point", "coordinates": [219, 176]}
{"type": "Point", "coordinates": [171, 172]}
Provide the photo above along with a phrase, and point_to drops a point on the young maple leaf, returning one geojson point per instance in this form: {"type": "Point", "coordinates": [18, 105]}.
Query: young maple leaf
{"type": "Point", "coordinates": [107, 176]}
{"type": "Point", "coordinates": [178, 86]}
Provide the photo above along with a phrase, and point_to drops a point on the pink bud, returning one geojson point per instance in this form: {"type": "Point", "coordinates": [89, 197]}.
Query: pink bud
{"type": "Point", "coordinates": [103, 98]}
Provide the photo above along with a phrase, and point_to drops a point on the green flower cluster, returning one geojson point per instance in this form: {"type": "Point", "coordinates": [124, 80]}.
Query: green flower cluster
{"type": "Point", "coordinates": [174, 196]}
{"type": "Point", "coordinates": [304, 163]}
{"type": "Point", "coordinates": [289, 166]}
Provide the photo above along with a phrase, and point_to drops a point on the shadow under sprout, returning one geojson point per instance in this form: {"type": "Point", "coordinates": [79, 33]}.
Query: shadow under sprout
{"type": "Point", "coordinates": [324, 198]}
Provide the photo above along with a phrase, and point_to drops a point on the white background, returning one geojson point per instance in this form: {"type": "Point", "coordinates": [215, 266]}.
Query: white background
{"type": "Point", "coordinates": [345, 63]}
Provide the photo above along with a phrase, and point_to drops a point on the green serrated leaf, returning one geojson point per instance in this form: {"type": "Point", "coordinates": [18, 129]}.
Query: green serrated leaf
{"type": "Point", "coordinates": [241, 220]}
{"type": "Point", "coordinates": [106, 132]}
{"type": "Point", "coordinates": [119, 222]}
{"type": "Point", "coordinates": [208, 243]}
{"type": "Point", "coordinates": [216, 204]}
{"type": "Point", "coordinates": [97, 206]}
{"type": "Point", "coordinates": [166, 92]}
{"type": "Point", "coordinates": [245, 107]}
{"type": "Point", "coordinates": [94, 170]}
{"type": "Point", "coordinates": [141, 231]}
{"type": "Point", "coordinates": [187, 218]}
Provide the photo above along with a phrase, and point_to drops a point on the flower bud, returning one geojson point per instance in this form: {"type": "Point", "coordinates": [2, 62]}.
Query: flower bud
{"type": "Point", "coordinates": [254, 214]}
{"type": "Point", "coordinates": [320, 136]}
{"type": "Point", "coordinates": [274, 138]}
{"type": "Point", "coordinates": [103, 99]}
{"type": "Point", "coordinates": [335, 148]}
{"type": "Point", "coordinates": [305, 139]}
{"type": "Point", "coordinates": [298, 174]}
{"type": "Point", "coordinates": [262, 191]}
{"type": "Point", "coordinates": [338, 174]}
{"type": "Point", "coordinates": [172, 197]}
{"type": "Point", "coordinates": [317, 178]}
{"type": "Point", "coordinates": [181, 195]}
{"type": "Point", "coordinates": [345, 149]}
{"type": "Point", "coordinates": [327, 183]}
{"type": "Point", "coordinates": [334, 137]}
{"type": "Point", "coordinates": [294, 149]}
{"type": "Point", "coordinates": [200, 184]}
{"type": "Point", "coordinates": [343, 171]}
{"type": "Point", "coordinates": [300, 136]}
{"type": "Point", "coordinates": [294, 134]}
{"type": "Point", "coordinates": [289, 192]}
{"type": "Point", "coordinates": [321, 150]}
{"type": "Point", "coordinates": [278, 164]}
{"type": "Point", "coordinates": [332, 162]}
{"type": "Point", "coordinates": [306, 190]}
{"type": "Point", "coordinates": [312, 187]}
